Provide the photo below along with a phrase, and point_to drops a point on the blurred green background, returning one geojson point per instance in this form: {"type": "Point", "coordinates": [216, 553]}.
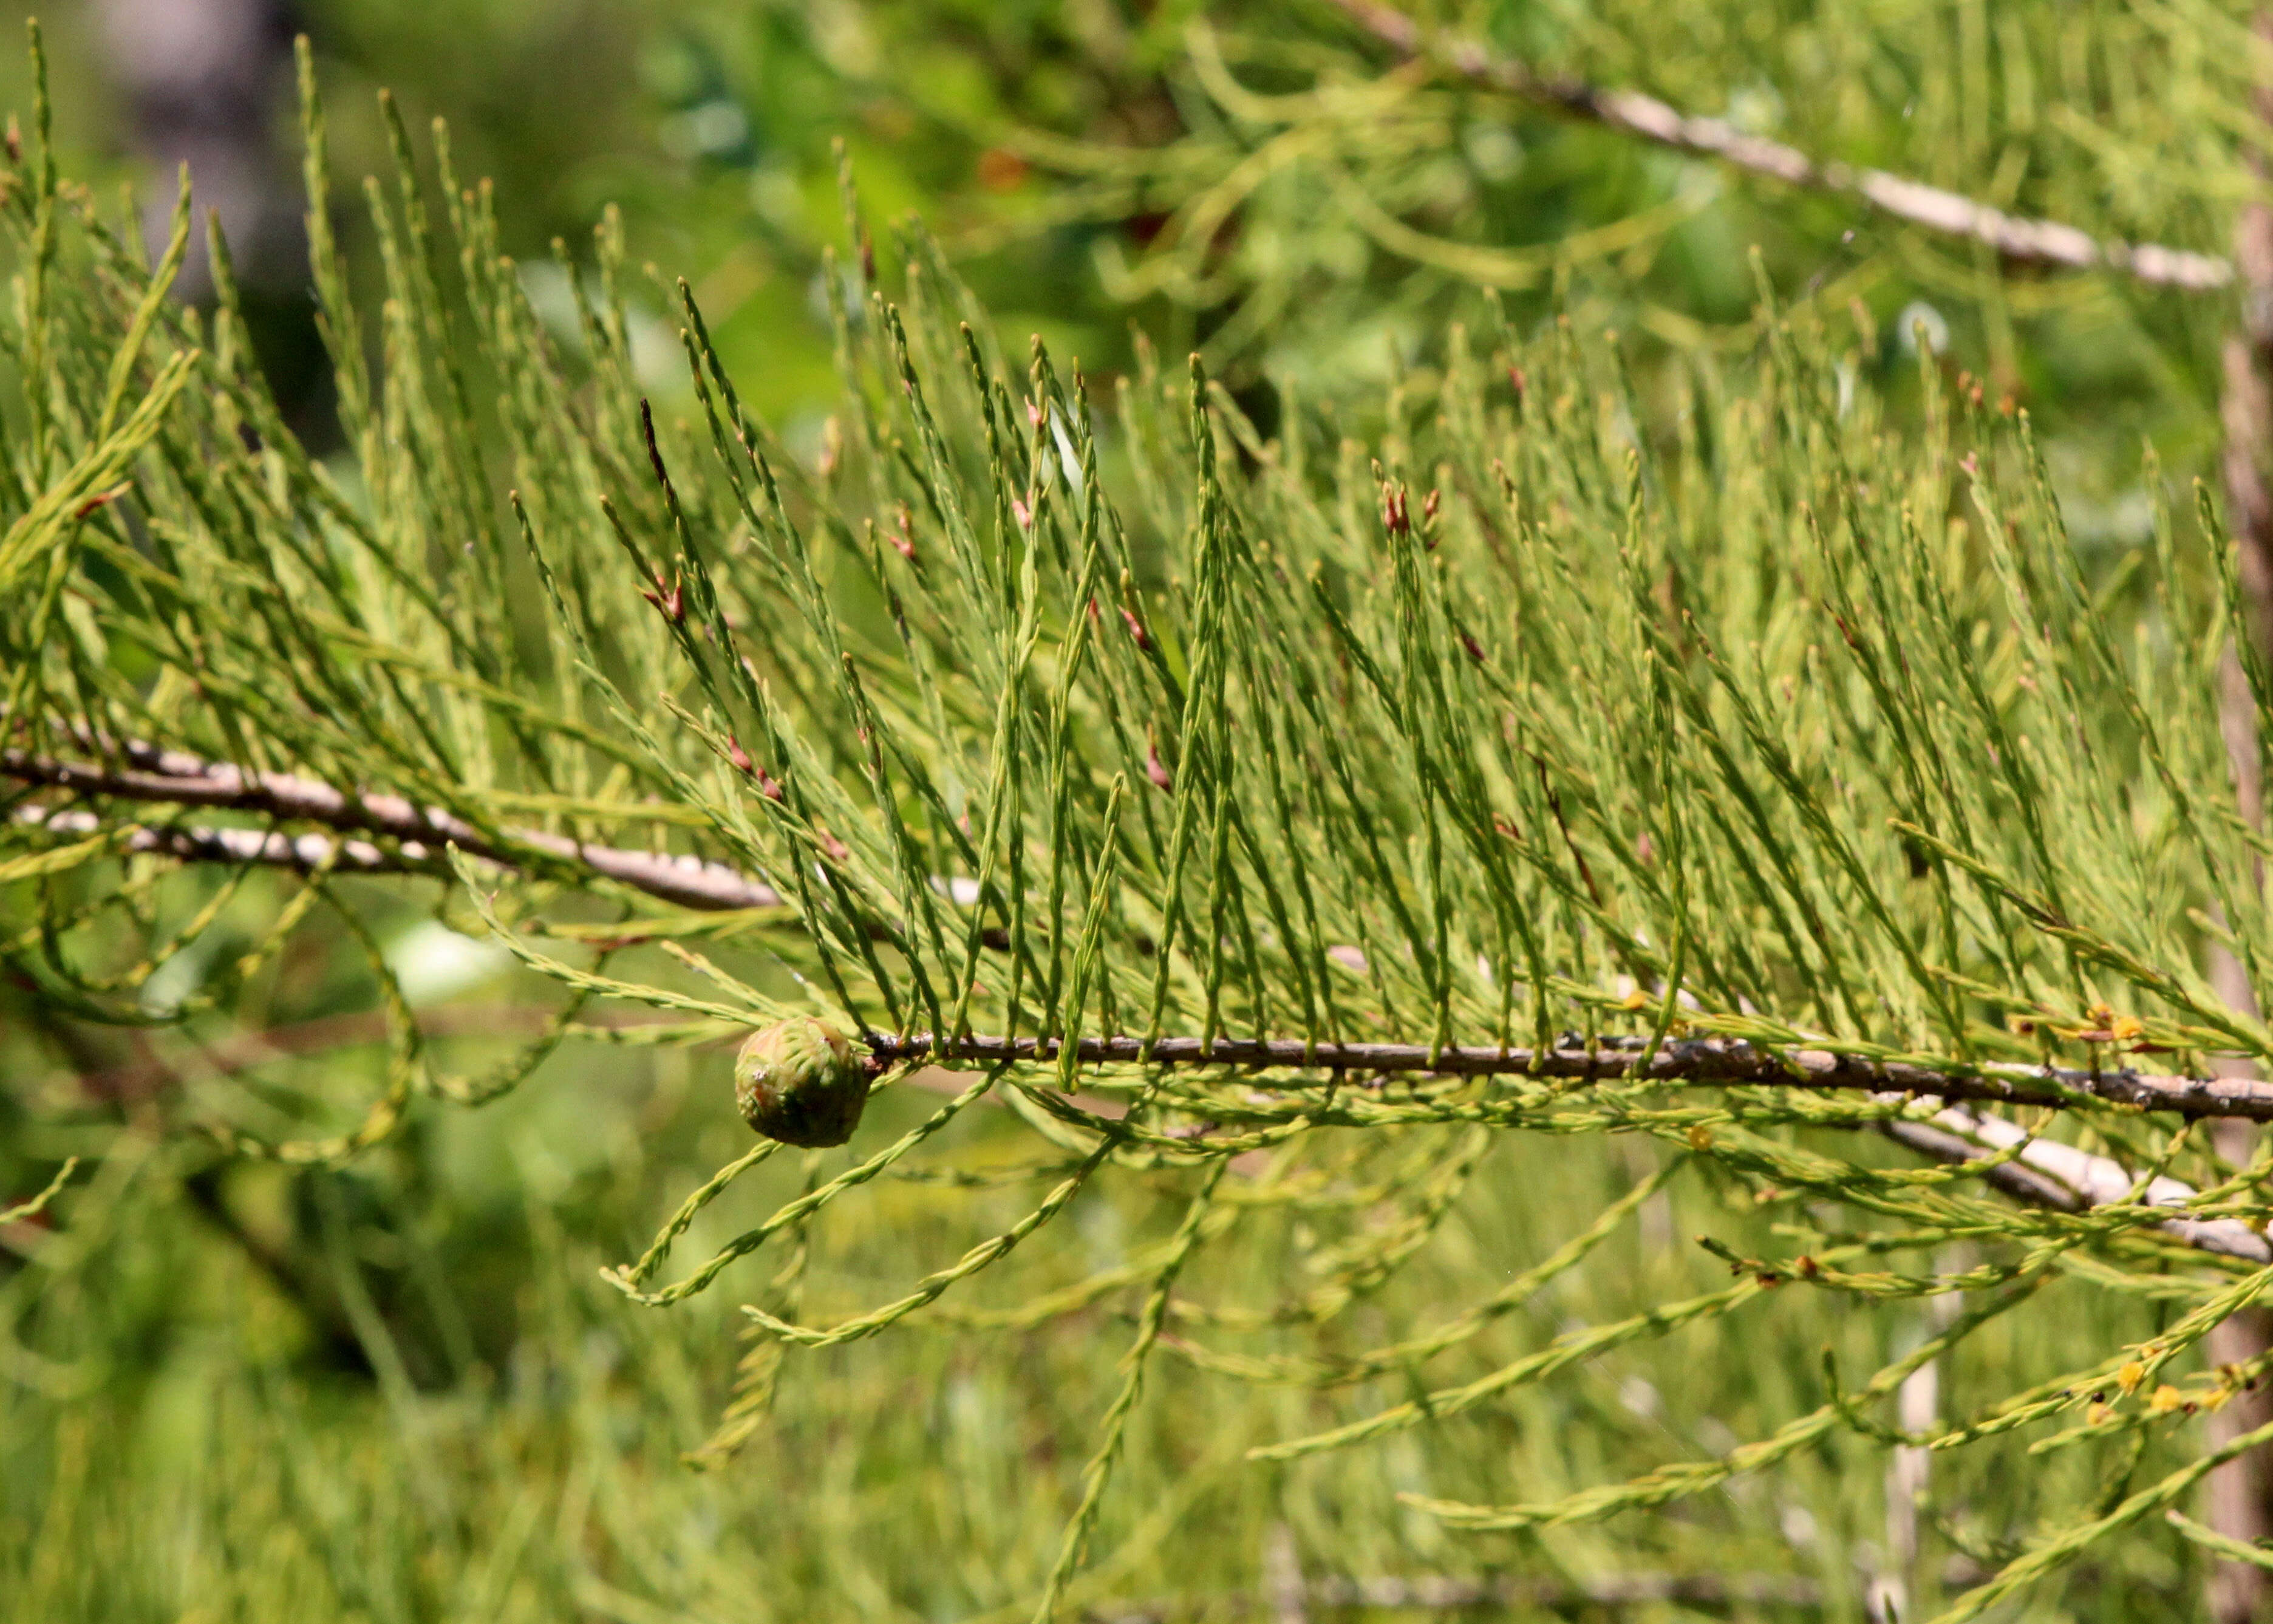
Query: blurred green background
{"type": "Point", "coordinates": [398, 1391]}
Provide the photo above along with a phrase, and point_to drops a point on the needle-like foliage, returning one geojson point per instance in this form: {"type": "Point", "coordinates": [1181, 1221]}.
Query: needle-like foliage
{"type": "Point", "coordinates": [1285, 824]}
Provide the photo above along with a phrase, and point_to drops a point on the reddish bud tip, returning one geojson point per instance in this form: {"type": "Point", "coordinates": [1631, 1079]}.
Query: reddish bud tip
{"type": "Point", "coordinates": [1021, 513]}
{"type": "Point", "coordinates": [1135, 629]}
{"type": "Point", "coordinates": [1430, 504]}
{"type": "Point", "coordinates": [1033, 415]}
{"type": "Point", "coordinates": [1516, 382]}
{"type": "Point", "coordinates": [1394, 514]}
{"type": "Point", "coordinates": [1152, 768]}
{"type": "Point", "coordinates": [672, 601]}
{"type": "Point", "coordinates": [768, 786]}
{"type": "Point", "coordinates": [1475, 649]}
{"type": "Point", "coordinates": [740, 756]}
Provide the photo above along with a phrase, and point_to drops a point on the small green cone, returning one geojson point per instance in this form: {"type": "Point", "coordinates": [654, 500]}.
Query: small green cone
{"type": "Point", "coordinates": [802, 1082]}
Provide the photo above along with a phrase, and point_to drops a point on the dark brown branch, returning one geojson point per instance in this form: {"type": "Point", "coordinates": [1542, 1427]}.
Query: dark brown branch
{"type": "Point", "coordinates": [182, 780]}
{"type": "Point", "coordinates": [2073, 1184]}
{"type": "Point", "coordinates": [1709, 1062]}
{"type": "Point", "coordinates": [2040, 242]}
{"type": "Point", "coordinates": [177, 778]}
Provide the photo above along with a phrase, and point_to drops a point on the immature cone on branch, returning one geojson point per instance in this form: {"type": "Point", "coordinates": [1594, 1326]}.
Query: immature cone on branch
{"type": "Point", "coordinates": [801, 1081]}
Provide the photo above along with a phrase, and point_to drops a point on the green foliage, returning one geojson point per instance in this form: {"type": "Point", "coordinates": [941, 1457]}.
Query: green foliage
{"type": "Point", "coordinates": [1269, 184]}
{"type": "Point", "coordinates": [1494, 711]}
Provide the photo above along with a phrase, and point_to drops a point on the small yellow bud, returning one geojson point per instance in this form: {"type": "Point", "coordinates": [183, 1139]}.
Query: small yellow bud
{"type": "Point", "coordinates": [2130, 1376]}
{"type": "Point", "coordinates": [1700, 1136]}
{"type": "Point", "coordinates": [2100, 1415]}
{"type": "Point", "coordinates": [2128, 1026]}
{"type": "Point", "coordinates": [1635, 1000]}
{"type": "Point", "coordinates": [2164, 1400]}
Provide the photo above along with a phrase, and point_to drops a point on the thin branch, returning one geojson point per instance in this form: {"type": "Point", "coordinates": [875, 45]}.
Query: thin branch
{"type": "Point", "coordinates": [179, 779]}
{"type": "Point", "coordinates": [183, 779]}
{"type": "Point", "coordinates": [2040, 242]}
{"type": "Point", "coordinates": [2069, 1180]}
{"type": "Point", "coordinates": [2047, 1174]}
{"type": "Point", "coordinates": [199, 842]}
{"type": "Point", "coordinates": [1708, 1062]}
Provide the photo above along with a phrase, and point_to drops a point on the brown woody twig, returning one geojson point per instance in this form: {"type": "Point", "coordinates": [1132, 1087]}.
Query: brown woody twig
{"type": "Point", "coordinates": [420, 833]}
{"type": "Point", "coordinates": [2015, 237]}
{"type": "Point", "coordinates": [1710, 1062]}
{"type": "Point", "coordinates": [179, 779]}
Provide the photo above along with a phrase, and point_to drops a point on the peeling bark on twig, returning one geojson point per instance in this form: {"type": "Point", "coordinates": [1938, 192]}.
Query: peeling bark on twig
{"type": "Point", "coordinates": [177, 778]}
{"type": "Point", "coordinates": [2014, 237]}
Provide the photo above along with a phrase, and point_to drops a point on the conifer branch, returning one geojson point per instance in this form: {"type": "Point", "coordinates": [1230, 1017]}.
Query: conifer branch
{"type": "Point", "coordinates": [179, 779]}
{"type": "Point", "coordinates": [2015, 237]}
{"type": "Point", "coordinates": [1709, 1062]}
{"type": "Point", "coordinates": [305, 853]}
{"type": "Point", "coordinates": [2069, 1180]}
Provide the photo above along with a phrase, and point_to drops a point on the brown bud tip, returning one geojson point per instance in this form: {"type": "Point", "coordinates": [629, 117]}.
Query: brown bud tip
{"type": "Point", "coordinates": [101, 499]}
{"type": "Point", "coordinates": [801, 1081]}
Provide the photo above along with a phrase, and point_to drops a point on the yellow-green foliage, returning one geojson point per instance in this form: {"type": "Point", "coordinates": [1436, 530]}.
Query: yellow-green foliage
{"type": "Point", "coordinates": [1481, 714]}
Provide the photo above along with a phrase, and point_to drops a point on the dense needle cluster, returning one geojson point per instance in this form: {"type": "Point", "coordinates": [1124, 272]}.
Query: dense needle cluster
{"type": "Point", "coordinates": [1475, 764]}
